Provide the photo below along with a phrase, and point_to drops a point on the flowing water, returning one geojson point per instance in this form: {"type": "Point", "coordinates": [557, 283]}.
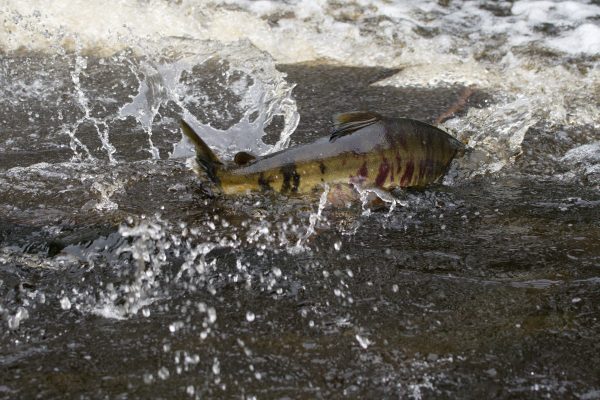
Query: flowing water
{"type": "Point", "coordinates": [121, 277]}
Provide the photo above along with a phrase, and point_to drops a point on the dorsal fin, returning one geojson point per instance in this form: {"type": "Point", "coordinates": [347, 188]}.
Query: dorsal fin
{"type": "Point", "coordinates": [346, 123]}
{"type": "Point", "coordinates": [243, 158]}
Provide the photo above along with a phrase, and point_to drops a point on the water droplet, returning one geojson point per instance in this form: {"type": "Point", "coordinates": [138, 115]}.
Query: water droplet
{"type": "Point", "coordinates": [216, 368]}
{"type": "Point", "coordinates": [65, 303]}
{"type": "Point", "coordinates": [364, 342]}
{"type": "Point", "coordinates": [175, 326]}
{"type": "Point", "coordinates": [15, 320]}
{"type": "Point", "coordinates": [250, 316]}
{"type": "Point", "coordinates": [148, 378]}
{"type": "Point", "coordinates": [212, 315]}
{"type": "Point", "coordinates": [163, 373]}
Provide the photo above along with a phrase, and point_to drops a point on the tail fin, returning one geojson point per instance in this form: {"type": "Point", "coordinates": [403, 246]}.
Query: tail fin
{"type": "Point", "coordinates": [205, 157]}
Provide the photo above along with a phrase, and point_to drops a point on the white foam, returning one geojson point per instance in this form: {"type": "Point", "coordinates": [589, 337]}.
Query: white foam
{"type": "Point", "coordinates": [368, 32]}
{"type": "Point", "coordinates": [109, 311]}
{"type": "Point", "coordinates": [584, 161]}
{"type": "Point", "coordinates": [42, 25]}
{"type": "Point", "coordinates": [589, 153]}
{"type": "Point", "coordinates": [466, 72]}
{"type": "Point", "coordinates": [585, 39]}
{"type": "Point", "coordinates": [536, 12]}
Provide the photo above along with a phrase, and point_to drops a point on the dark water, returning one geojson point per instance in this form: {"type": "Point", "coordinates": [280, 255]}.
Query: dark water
{"type": "Point", "coordinates": [144, 287]}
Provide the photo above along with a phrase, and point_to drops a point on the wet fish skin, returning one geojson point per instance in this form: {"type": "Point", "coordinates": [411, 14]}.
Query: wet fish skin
{"type": "Point", "coordinates": [364, 148]}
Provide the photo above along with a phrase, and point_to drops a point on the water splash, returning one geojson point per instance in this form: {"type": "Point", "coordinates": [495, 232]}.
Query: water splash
{"type": "Point", "coordinates": [147, 247]}
{"type": "Point", "coordinates": [261, 91]}
{"type": "Point", "coordinates": [369, 194]}
{"type": "Point", "coordinates": [144, 107]}
{"type": "Point", "coordinates": [100, 126]}
{"type": "Point", "coordinates": [312, 221]}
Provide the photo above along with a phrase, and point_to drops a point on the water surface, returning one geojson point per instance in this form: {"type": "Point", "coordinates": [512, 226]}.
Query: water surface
{"type": "Point", "coordinates": [121, 278]}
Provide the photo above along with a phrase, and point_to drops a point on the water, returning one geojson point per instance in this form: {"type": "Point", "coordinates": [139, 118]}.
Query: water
{"type": "Point", "coordinates": [120, 276]}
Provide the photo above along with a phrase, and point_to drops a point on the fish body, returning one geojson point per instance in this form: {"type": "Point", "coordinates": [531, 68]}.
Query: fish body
{"type": "Point", "coordinates": [364, 149]}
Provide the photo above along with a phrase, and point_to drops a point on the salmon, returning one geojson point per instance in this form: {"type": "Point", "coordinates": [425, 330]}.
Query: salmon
{"type": "Point", "coordinates": [363, 148]}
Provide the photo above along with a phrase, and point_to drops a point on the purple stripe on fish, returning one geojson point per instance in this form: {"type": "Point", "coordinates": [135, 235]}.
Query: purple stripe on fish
{"type": "Point", "coordinates": [384, 170]}
{"type": "Point", "coordinates": [363, 171]}
{"type": "Point", "coordinates": [408, 173]}
{"type": "Point", "coordinates": [399, 167]}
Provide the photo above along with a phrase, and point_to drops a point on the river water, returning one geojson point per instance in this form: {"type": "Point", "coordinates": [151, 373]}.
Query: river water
{"type": "Point", "coordinates": [121, 277]}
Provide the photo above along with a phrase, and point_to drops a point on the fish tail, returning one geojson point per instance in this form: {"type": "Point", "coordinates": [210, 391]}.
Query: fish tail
{"type": "Point", "coordinates": [205, 157]}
